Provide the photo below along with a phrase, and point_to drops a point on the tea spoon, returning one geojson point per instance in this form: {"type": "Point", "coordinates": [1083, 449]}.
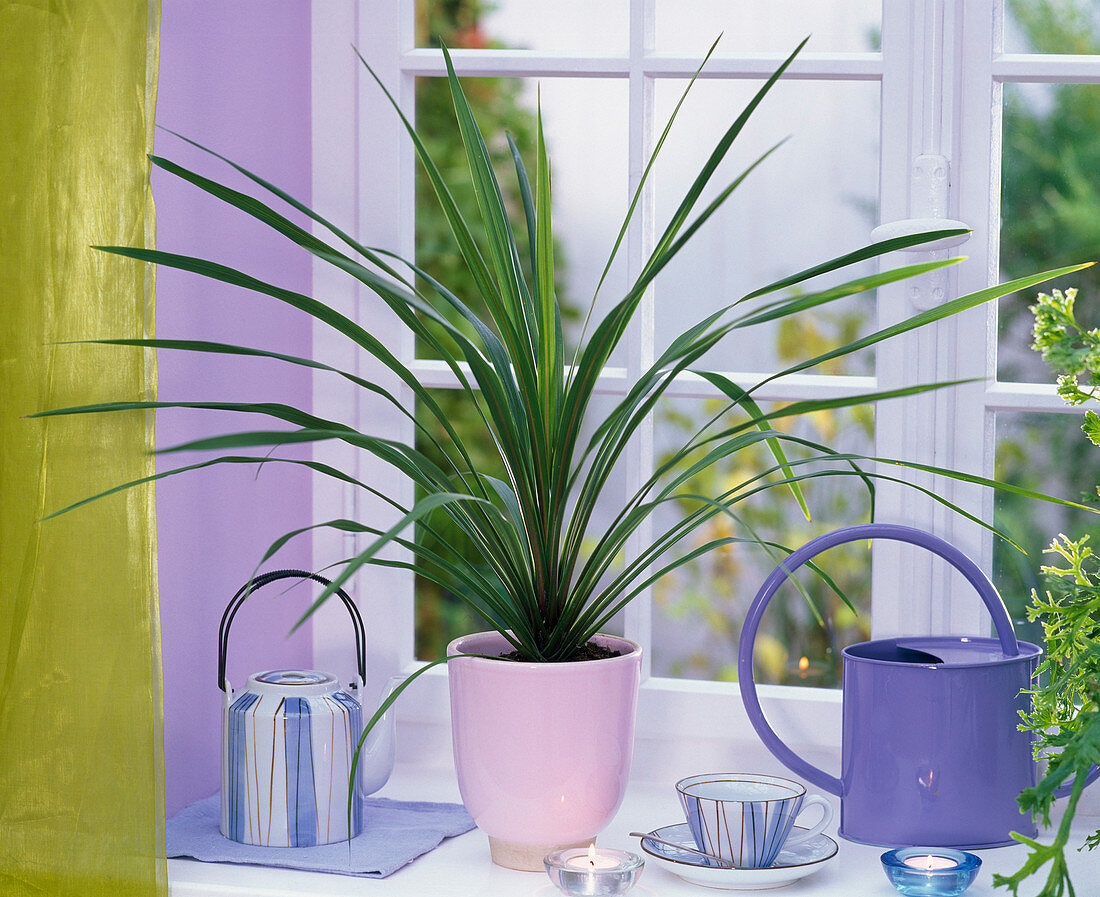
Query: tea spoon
{"type": "Point", "coordinates": [721, 861]}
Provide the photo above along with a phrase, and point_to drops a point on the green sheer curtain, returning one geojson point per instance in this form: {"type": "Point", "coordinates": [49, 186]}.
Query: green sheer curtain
{"type": "Point", "coordinates": [81, 718]}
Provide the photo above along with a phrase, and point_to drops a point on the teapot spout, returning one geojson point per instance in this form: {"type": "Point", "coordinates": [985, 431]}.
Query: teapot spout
{"type": "Point", "coordinates": [377, 755]}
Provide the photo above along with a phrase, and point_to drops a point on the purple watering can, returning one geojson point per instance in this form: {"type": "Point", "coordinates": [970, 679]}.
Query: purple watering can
{"type": "Point", "coordinates": [931, 753]}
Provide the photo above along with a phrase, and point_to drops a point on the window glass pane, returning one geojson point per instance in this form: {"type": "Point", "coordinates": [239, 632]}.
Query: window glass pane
{"type": "Point", "coordinates": [1052, 26]}
{"type": "Point", "coordinates": [1050, 208]}
{"type": "Point", "coordinates": [578, 25]}
{"type": "Point", "coordinates": [1049, 453]}
{"type": "Point", "coordinates": [585, 123]}
{"type": "Point", "coordinates": [768, 25]}
{"type": "Point", "coordinates": [699, 608]}
{"type": "Point", "coordinates": [813, 199]}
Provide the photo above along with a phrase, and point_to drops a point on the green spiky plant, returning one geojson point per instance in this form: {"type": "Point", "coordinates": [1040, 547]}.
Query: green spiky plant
{"type": "Point", "coordinates": [542, 572]}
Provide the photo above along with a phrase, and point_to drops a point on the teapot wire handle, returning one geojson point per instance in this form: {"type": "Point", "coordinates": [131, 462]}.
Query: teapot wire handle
{"type": "Point", "coordinates": [971, 571]}
{"type": "Point", "coordinates": [271, 576]}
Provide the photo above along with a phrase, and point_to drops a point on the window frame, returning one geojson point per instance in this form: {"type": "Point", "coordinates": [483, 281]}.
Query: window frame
{"type": "Point", "coordinates": [928, 109]}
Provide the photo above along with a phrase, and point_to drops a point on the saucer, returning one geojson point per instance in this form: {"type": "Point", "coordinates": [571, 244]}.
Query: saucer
{"type": "Point", "coordinates": [793, 863]}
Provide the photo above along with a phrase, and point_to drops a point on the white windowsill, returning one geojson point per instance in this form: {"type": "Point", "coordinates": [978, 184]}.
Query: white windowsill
{"type": "Point", "coordinates": [460, 867]}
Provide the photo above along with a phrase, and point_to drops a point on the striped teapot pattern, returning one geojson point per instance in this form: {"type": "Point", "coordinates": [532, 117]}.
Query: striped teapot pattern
{"type": "Point", "coordinates": [288, 743]}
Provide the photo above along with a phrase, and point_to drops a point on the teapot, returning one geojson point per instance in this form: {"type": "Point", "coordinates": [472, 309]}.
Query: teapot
{"type": "Point", "coordinates": [931, 751]}
{"type": "Point", "coordinates": [288, 744]}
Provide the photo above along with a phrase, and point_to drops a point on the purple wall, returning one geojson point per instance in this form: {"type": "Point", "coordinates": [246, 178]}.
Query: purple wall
{"type": "Point", "coordinates": [235, 77]}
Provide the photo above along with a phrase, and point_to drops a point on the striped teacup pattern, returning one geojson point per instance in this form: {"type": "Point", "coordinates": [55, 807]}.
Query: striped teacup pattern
{"type": "Point", "coordinates": [286, 763]}
{"type": "Point", "coordinates": [742, 817]}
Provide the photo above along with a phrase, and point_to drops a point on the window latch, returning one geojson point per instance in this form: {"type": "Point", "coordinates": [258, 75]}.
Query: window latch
{"type": "Point", "coordinates": [929, 185]}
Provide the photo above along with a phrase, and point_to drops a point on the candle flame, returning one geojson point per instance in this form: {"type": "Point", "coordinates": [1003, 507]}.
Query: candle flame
{"type": "Point", "coordinates": [803, 663]}
{"type": "Point", "coordinates": [592, 855]}
{"type": "Point", "coordinates": [930, 864]}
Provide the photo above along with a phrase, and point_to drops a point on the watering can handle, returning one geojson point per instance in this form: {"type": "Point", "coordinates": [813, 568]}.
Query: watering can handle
{"type": "Point", "coordinates": [262, 580]}
{"type": "Point", "coordinates": [778, 576]}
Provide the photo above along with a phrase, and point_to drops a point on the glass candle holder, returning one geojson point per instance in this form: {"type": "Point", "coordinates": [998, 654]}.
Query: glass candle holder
{"type": "Point", "coordinates": [592, 872]}
{"type": "Point", "coordinates": [930, 871]}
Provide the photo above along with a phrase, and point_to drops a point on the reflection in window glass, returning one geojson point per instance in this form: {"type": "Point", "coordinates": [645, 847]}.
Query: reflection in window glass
{"type": "Point", "coordinates": [577, 25]}
{"type": "Point", "coordinates": [585, 123]}
{"type": "Point", "coordinates": [1048, 453]}
{"type": "Point", "coordinates": [700, 607]}
{"type": "Point", "coordinates": [775, 26]}
{"type": "Point", "coordinates": [813, 199]}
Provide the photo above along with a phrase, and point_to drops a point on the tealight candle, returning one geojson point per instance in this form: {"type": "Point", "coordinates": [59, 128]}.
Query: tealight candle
{"type": "Point", "coordinates": [592, 872]}
{"type": "Point", "coordinates": [592, 860]}
{"type": "Point", "coordinates": [930, 871]}
{"type": "Point", "coordinates": [930, 862]}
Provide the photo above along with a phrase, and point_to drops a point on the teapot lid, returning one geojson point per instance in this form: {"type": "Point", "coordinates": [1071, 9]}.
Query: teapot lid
{"type": "Point", "coordinates": [293, 683]}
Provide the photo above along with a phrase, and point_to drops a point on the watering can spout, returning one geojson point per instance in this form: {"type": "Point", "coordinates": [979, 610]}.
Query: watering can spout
{"type": "Point", "coordinates": [376, 757]}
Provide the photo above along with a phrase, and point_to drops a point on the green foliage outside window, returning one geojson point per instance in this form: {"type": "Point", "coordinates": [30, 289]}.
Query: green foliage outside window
{"type": "Point", "coordinates": [802, 635]}
{"type": "Point", "coordinates": [1050, 187]}
{"type": "Point", "coordinates": [1050, 210]}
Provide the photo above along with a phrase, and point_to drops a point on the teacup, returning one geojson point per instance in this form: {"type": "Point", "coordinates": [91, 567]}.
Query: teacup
{"type": "Point", "coordinates": [747, 818]}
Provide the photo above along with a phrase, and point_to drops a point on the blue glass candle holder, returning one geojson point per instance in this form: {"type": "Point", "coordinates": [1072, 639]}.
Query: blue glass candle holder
{"type": "Point", "coordinates": [930, 871]}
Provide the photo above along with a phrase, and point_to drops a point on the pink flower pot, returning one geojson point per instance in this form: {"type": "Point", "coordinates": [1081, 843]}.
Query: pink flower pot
{"type": "Point", "coordinates": [542, 750]}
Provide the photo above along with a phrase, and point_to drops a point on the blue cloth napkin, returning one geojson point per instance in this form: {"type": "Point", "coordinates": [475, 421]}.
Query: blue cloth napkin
{"type": "Point", "coordinates": [394, 833]}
